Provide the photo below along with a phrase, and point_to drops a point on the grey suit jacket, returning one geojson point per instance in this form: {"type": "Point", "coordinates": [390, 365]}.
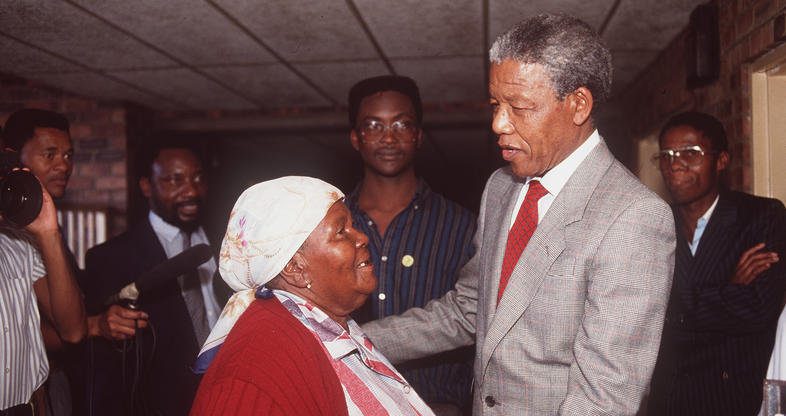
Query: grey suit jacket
{"type": "Point", "coordinates": [578, 328]}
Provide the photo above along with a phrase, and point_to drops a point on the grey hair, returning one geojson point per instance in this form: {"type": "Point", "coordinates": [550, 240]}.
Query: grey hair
{"type": "Point", "coordinates": [569, 49]}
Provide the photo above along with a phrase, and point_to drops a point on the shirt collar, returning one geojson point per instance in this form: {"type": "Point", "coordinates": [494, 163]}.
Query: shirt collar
{"type": "Point", "coordinates": [337, 341]}
{"type": "Point", "coordinates": [556, 178]}
{"type": "Point", "coordinates": [710, 210]}
{"type": "Point", "coordinates": [163, 228]}
{"type": "Point", "coordinates": [422, 192]}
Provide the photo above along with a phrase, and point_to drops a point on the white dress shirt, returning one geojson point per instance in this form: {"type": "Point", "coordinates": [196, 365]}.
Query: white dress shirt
{"type": "Point", "coordinates": [171, 239]}
{"type": "Point", "coordinates": [556, 178]}
{"type": "Point", "coordinates": [701, 224]}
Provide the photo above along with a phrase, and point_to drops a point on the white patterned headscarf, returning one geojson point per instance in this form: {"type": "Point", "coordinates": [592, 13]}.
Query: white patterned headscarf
{"type": "Point", "coordinates": [268, 224]}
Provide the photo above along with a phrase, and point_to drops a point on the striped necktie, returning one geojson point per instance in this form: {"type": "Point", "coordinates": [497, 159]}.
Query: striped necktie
{"type": "Point", "coordinates": [191, 288]}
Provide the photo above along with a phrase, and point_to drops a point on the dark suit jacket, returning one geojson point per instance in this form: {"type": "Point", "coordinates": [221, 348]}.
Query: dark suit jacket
{"type": "Point", "coordinates": [168, 347]}
{"type": "Point", "coordinates": [718, 336]}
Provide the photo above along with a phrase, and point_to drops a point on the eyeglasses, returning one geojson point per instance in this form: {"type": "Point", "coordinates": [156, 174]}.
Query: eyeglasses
{"type": "Point", "coordinates": [688, 156]}
{"type": "Point", "coordinates": [373, 131]}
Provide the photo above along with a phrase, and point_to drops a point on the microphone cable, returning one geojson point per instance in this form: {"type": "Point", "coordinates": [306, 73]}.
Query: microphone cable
{"type": "Point", "coordinates": [134, 363]}
{"type": "Point", "coordinates": [143, 363]}
{"type": "Point", "coordinates": [91, 375]}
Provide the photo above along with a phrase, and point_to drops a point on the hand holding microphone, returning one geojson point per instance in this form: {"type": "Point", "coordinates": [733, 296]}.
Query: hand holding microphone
{"type": "Point", "coordinates": [118, 322]}
{"type": "Point", "coordinates": [180, 264]}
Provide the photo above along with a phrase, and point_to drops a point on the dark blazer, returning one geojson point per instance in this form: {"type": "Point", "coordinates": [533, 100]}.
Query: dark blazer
{"type": "Point", "coordinates": [168, 347]}
{"type": "Point", "coordinates": [718, 336]}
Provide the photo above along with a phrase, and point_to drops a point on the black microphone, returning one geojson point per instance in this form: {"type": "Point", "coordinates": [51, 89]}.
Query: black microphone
{"type": "Point", "coordinates": [163, 272]}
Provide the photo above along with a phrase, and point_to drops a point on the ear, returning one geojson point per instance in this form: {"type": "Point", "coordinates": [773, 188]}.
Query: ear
{"type": "Point", "coordinates": [722, 161]}
{"type": "Point", "coordinates": [144, 186]}
{"type": "Point", "coordinates": [294, 271]}
{"type": "Point", "coordinates": [582, 105]}
{"type": "Point", "coordinates": [419, 138]}
{"type": "Point", "coordinates": [354, 139]}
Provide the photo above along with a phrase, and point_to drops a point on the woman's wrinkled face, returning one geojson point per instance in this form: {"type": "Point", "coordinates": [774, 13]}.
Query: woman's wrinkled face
{"type": "Point", "coordinates": [338, 264]}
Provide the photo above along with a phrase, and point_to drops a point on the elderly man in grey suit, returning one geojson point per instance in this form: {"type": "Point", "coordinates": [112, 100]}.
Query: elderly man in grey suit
{"type": "Point", "coordinates": [566, 294]}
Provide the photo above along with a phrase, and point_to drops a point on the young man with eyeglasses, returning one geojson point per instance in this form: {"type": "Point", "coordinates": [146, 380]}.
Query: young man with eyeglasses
{"type": "Point", "coordinates": [728, 281]}
{"type": "Point", "coordinates": [418, 239]}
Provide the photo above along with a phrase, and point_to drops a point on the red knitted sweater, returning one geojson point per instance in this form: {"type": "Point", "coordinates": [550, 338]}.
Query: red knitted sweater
{"type": "Point", "coordinates": [270, 364]}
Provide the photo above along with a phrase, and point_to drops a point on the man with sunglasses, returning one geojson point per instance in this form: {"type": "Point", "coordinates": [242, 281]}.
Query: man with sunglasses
{"type": "Point", "coordinates": [418, 239]}
{"type": "Point", "coordinates": [728, 280]}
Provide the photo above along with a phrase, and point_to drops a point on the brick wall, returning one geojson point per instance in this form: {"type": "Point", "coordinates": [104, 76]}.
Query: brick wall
{"type": "Point", "coordinates": [748, 29]}
{"type": "Point", "coordinates": [98, 131]}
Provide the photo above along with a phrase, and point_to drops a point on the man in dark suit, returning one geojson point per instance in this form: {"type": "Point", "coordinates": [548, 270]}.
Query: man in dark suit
{"type": "Point", "coordinates": [154, 375]}
{"type": "Point", "coordinates": [728, 282]}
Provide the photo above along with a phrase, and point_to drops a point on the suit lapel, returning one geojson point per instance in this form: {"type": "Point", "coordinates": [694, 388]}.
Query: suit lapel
{"type": "Point", "coordinates": [683, 256]}
{"type": "Point", "coordinates": [544, 247]}
{"type": "Point", "coordinates": [716, 240]}
{"type": "Point", "coordinates": [149, 249]}
{"type": "Point", "coordinates": [546, 244]}
{"type": "Point", "coordinates": [151, 253]}
{"type": "Point", "coordinates": [506, 195]}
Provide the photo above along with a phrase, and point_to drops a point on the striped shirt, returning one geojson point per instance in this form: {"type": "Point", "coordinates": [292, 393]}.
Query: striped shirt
{"type": "Point", "coordinates": [371, 385]}
{"type": "Point", "coordinates": [22, 354]}
{"type": "Point", "coordinates": [418, 259]}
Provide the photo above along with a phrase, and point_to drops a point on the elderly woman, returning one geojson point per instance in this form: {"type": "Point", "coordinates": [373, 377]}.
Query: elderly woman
{"type": "Point", "coordinates": [287, 343]}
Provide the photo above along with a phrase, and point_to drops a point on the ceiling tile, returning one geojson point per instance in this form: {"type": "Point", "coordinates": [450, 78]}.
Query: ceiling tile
{"type": "Point", "coordinates": [437, 42]}
{"type": "Point", "coordinates": [503, 14]}
{"type": "Point", "coordinates": [446, 79]}
{"type": "Point", "coordinates": [665, 19]}
{"type": "Point", "coordinates": [200, 36]}
{"type": "Point", "coordinates": [337, 78]}
{"type": "Point", "coordinates": [186, 86]}
{"type": "Point", "coordinates": [304, 30]}
{"type": "Point", "coordinates": [67, 31]}
{"type": "Point", "coordinates": [272, 85]}
{"type": "Point", "coordinates": [23, 60]}
{"type": "Point", "coordinates": [415, 28]}
{"type": "Point", "coordinates": [97, 86]}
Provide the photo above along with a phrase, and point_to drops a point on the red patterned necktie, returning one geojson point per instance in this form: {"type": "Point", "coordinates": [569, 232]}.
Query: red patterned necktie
{"type": "Point", "coordinates": [520, 233]}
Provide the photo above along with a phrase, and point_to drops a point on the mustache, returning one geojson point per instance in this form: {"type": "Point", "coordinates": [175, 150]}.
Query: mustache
{"type": "Point", "coordinates": [197, 201]}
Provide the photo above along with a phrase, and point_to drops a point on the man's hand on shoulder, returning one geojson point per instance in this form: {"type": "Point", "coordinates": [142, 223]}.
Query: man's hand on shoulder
{"type": "Point", "coordinates": [116, 323]}
{"type": "Point", "coordinates": [752, 263]}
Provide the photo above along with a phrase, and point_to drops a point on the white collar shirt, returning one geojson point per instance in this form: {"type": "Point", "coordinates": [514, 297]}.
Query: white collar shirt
{"type": "Point", "coordinates": [171, 238]}
{"type": "Point", "coordinates": [556, 178]}
{"type": "Point", "coordinates": [701, 225]}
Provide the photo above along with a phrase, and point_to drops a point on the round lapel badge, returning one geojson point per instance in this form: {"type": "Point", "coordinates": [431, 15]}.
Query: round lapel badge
{"type": "Point", "coordinates": [407, 260]}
